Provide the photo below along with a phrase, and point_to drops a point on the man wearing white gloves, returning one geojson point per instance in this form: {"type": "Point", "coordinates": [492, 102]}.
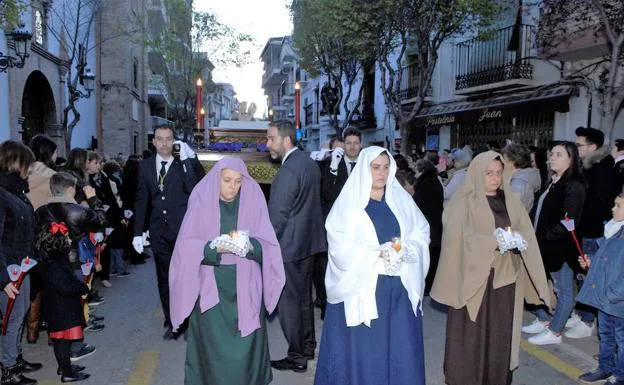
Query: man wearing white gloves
{"type": "Point", "coordinates": [165, 183]}
{"type": "Point", "coordinates": [334, 174]}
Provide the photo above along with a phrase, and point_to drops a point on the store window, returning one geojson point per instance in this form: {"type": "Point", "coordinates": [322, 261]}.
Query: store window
{"type": "Point", "coordinates": [530, 130]}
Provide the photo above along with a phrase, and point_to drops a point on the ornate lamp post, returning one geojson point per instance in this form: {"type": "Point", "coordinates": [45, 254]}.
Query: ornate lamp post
{"type": "Point", "coordinates": [21, 45]}
{"type": "Point", "coordinates": [87, 79]}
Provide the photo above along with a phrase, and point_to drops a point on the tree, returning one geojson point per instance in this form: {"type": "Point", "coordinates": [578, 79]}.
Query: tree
{"type": "Point", "coordinates": [564, 24]}
{"type": "Point", "coordinates": [190, 45]}
{"type": "Point", "coordinates": [10, 11]}
{"type": "Point", "coordinates": [71, 25]}
{"type": "Point", "coordinates": [422, 25]}
{"type": "Point", "coordinates": [329, 43]}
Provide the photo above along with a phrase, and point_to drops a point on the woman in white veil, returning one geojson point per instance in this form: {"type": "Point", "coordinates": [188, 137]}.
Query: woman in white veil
{"type": "Point", "coordinates": [378, 260]}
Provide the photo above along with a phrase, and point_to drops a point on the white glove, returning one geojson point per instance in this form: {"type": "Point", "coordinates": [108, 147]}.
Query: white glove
{"type": "Point", "coordinates": [146, 238]}
{"type": "Point", "coordinates": [108, 231]}
{"type": "Point", "coordinates": [319, 155]}
{"type": "Point", "coordinates": [137, 243]}
{"type": "Point", "coordinates": [99, 237]}
{"type": "Point", "coordinates": [185, 150]}
{"type": "Point", "coordinates": [128, 214]}
{"type": "Point", "coordinates": [336, 157]}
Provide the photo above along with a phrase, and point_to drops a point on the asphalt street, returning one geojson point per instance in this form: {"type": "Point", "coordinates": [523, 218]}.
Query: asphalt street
{"type": "Point", "coordinates": [131, 351]}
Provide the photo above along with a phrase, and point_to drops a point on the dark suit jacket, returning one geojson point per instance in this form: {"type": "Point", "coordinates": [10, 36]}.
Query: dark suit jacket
{"type": "Point", "coordinates": [332, 184]}
{"type": "Point", "coordinates": [295, 208]}
{"type": "Point", "coordinates": [429, 197]}
{"type": "Point", "coordinates": [167, 208]}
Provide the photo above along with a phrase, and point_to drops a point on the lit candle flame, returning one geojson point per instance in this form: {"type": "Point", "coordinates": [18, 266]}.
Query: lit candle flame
{"type": "Point", "coordinates": [396, 243]}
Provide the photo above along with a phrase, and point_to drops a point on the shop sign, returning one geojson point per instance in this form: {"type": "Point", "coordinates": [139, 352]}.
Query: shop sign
{"type": "Point", "coordinates": [441, 120]}
{"type": "Point", "coordinates": [490, 114]}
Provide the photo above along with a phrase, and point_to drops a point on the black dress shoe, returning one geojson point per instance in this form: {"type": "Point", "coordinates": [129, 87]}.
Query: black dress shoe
{"type": "Point", "coordinates": [170, 335]}
{"type": "Point", "coordinates": [288, 364]}
{"type": "Point", "coordinates": [74, 368]}
{"type": "Point", "coordinates": [75, 377]}
{"type": "Point", "coordinates": [27, 367]}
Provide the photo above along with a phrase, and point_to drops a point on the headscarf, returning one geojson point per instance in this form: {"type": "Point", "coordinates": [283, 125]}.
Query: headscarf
{"type": "Point", "coordinates": [188, 278]}
{"type": "Point", "coordinates": [354, 262]}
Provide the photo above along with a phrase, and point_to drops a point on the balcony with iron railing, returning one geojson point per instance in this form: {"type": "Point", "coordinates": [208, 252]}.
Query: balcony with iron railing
{"type": "Point", "coordinates": [364, 115]}
{"type": "Point", "coordinates": [311, 119]}
{"type": "Point", "coordinates": [287, 92]}
{"type": "Point", "coordinates": [499, 60]}
{"type": "Point", "coordinates": [409, 84]}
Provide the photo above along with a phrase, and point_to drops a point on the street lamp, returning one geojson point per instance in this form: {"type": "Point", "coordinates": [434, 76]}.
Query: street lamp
{"type": "Point", "coordinates": [21, 45]}
{"type": "Point", "coordinates": [87, 79]}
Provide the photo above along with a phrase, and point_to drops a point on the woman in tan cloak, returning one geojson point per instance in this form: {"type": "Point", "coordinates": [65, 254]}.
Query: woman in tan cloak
{"type": "Point", "coordinates": [484, 289]}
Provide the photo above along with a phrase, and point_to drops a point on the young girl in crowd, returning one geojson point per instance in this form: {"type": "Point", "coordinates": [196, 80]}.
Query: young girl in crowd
{"type": "Point", "coordinates": [62, 294]}
{"type": "Point", "coordinates": [604, 290]}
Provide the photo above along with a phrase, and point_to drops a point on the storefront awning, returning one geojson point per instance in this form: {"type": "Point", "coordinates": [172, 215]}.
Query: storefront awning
{"type": "Point", "coordinates": [498, 107]}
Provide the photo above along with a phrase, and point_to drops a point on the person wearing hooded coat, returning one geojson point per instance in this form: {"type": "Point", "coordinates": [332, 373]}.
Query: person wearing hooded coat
{"type": "Point", "coordinates": [373, 323]}
{"type": "Point", "coordinates": [226, 296]}
{"type": "Point", "coordinates": [484, 289]}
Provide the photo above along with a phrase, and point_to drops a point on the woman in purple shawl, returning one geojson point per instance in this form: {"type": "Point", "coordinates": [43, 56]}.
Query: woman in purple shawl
{"type": "Point", "coordinates": [226, 296]}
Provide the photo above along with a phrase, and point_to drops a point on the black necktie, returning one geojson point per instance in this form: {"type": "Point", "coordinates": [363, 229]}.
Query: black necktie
{"type": "Point", "coordinates": [163, 170]}
{"type": "Point", "coordinates": [352, 165]}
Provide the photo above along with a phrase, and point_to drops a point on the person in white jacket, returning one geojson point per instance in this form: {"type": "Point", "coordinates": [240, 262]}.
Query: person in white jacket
{"type": "Point", "coordinates": [378, 247]}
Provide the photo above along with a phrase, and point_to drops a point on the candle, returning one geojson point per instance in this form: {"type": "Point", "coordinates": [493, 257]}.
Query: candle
{"type": "Point", "coordinates": [509, 229]}
{"type": "Point", "coordinates": [396, 243]}
{"type": "Point", "coordinates": [27, 261]}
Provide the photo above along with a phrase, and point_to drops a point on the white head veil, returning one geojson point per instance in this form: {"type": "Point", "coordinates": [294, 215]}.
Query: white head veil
{"type": "Point", "coordinates": [354, 262]}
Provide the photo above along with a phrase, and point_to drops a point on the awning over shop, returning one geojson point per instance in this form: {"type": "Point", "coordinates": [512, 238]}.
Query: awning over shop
{"type": "Point", "coordinates": [498, 107]}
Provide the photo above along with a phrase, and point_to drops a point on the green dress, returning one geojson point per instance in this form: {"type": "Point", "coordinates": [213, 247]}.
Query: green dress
{"type": "Point", "coordinates": [216, 353]}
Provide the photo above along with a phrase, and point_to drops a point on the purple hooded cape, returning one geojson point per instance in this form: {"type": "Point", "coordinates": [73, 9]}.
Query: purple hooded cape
{"type": "Point", "coordinates": [188, 278]}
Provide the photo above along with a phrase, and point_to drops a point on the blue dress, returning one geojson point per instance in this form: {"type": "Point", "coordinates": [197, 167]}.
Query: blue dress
{"type": "Point", "coordinates": [391, 351]}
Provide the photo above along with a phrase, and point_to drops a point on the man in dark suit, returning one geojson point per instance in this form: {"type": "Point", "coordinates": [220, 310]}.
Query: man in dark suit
{"type": "Point", "coordinates": [334, 174]}
{"type": "Point", "coordinates": [337, 171]}
{"type": "Point", "coordinates": [295, 212]}
{"type": "Point", "coordinates": [165, 183]}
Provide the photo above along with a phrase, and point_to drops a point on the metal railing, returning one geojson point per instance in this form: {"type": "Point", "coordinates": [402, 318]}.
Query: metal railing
{"type": "Point", "coordinates": [409, 83]}
{"type": "Point", "coordinates": [311, 114]}
{"type": "Point", "coordinates": [497, 57]}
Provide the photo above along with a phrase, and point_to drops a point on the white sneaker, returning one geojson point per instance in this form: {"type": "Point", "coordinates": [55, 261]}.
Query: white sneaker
{"type": "Point", "coordinates": [573, 321]}
{"type": "Point", "coordinates": [536, 327]}
{"type": "Point", "coordinates": [580, 330]}
{"type": "Point", "coordinates": [545, 338]}
{"type": "Point", "coordinates": [106, 283]}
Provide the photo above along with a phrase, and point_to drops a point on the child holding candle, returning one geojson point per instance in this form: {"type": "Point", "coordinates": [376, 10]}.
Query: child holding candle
{"type": "Point", "coordinates": [61, 298]}
{"type": "Point", "coordinates": [604, 290]}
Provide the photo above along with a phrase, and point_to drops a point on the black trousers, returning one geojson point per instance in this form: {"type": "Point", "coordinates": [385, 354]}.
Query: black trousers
{"type": "Point", "coordinates": [318, 277]}
{"type": "Point", "coordinates": [296, 313]}
{"type": "Point", "coordinates": [162, 246]}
